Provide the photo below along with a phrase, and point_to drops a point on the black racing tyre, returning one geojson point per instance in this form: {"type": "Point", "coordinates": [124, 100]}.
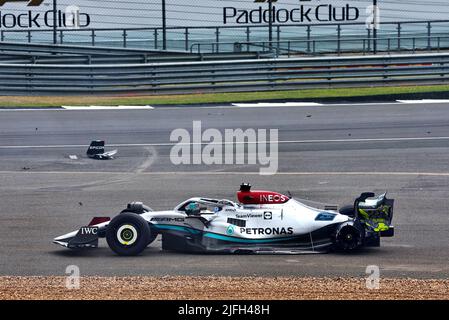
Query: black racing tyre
{"type": "Point", "coordinates": [153, 235]}
{"type": "Point", "coordinates": [347, 210]}
{"type": "Point", "coordinates": [127, 211]}
{"type": "Point", "coordinates": [348, 237]}
{"type": "Point", "coordinates": [128, 234]}
{"type": "Point", "coordinates": [136, 207]}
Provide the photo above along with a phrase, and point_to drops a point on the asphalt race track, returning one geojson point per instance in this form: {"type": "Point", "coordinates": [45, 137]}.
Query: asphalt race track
{"type": "Point", "coordinates": [326, 153]}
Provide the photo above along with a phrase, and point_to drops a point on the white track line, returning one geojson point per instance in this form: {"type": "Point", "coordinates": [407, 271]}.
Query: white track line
{"type": "Point", "coordinates": [77, 108]}
{"type": "Point", "coordinates": [232, 106]}
{"type": "Point", "coordinates": [276, 104]}
{"type": "Point", "coordinates": [224, 173]}
{"type": "Point", "coordinates": [235, 106]}
{"type": "Point", "coordinates": [207, 143]}
{"type": "Point", "coordinates": [313, 104]}
{"type": "Point", "coordinates": [424, 101]}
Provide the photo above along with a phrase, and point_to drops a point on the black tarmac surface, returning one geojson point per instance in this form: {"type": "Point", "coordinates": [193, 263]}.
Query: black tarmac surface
{"type": "Point", "coordinates": [326, 153]}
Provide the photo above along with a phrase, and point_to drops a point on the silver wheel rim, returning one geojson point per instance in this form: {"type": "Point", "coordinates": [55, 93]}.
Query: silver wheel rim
{"type": "Point", "coordinates": [127, 235]}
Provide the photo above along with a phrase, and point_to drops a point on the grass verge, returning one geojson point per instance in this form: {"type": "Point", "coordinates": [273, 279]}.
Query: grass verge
{"type": "Point", "coordinates": [53, 101]}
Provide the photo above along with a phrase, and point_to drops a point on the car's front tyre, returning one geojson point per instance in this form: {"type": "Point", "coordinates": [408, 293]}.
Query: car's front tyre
{"type": "Point", "coordinates": [128, 234]}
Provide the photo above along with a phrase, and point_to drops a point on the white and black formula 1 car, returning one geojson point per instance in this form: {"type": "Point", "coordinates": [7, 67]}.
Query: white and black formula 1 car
{"type": "Point", "coordinates": [261, 222]}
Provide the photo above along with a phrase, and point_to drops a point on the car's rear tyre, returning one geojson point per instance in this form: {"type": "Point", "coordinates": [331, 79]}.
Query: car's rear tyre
{"type": "Point", "coordinates": [128, 234]}
{"type": "Point", "coordinates": [349, 237]}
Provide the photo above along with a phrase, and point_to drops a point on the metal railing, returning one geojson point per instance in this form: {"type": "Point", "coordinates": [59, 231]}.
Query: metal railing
{"type": "Point", "coordinates": [335, 46]}
{"type": "Point", "coordinates": [67, 54]}
{"type": "Point", "coordinates": [181, 38]}
{"type": "Point", "coordinates": [224, 76]}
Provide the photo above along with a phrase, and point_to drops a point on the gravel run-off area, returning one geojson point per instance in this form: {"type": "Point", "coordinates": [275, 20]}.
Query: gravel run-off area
{"type": "Point", "coordinates": [216, 288]}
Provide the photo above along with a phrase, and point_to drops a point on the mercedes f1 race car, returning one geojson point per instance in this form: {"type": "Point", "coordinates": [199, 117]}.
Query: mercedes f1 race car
{"type": "Point", "coordinates": [260, 222]}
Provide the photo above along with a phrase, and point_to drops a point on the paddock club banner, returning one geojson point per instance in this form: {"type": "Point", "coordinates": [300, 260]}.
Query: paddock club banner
{"type": "Point", "coordinates": [37, 14]}
{"type": "Point", "coordinates": [302, 13]}
{"type": "Point", "coordinates": [116, 14]}
{"type": "Point", "coordinates": [79, 14]}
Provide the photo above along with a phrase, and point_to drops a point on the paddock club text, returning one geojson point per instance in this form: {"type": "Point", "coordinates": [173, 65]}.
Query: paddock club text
{"type": "Point", "coordinates": [301, 14]}
{"type": "Point", "coordinates": [30, 19]}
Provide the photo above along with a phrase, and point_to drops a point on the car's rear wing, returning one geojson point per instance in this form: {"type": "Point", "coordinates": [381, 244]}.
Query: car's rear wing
{"type": "Point", "coordinates": [375, 212]}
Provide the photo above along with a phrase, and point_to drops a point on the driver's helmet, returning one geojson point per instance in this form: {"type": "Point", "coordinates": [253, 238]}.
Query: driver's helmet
{"type": "Point", "coordinates": [193, 208]}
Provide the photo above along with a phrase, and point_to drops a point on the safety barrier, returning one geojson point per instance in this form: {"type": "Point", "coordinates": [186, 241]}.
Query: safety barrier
{"type": "Point", "coordinates": [224, 76]}
{"type": "Point", "coordinates": [13, 52]}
